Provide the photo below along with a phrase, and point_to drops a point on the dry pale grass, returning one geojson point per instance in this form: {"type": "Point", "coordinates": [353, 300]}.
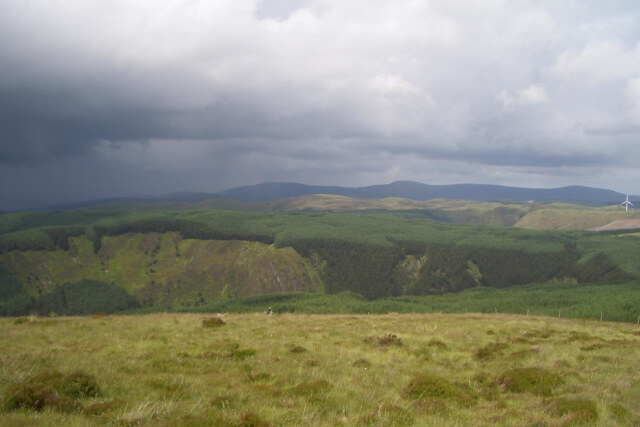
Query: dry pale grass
{"type": "Point", "coordinates": [169, 369]}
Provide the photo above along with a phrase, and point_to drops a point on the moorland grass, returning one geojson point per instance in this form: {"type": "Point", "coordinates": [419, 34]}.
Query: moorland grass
{"type": "Point", "coordinates": [167, 369]}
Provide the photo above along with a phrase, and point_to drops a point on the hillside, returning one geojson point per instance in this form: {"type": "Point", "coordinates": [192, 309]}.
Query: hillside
{"type": "Point", "coordinates": [573, 217]}
{"type": "Point", "coordinates": [418, 191]}
{"type": "Point", "coordinates": [165, 269]}
{"type": "Point", "coordinates": [530, 215]}
{"type": "Point", "coordinates": [190, 258]}
{"type": "Point", "coordinates": [620, 224]}
{"type": "Point", "coordinates": [251, 196]}
{"type": "Point", "coordinates": [537, 215]}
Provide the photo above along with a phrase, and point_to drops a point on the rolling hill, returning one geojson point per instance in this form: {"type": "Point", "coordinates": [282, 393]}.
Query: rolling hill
{"type": "Point", "coordinates": [404, 239]}
{"type": "Point", "coordinates": [171, 259]}
{"type": "Point", "coordinates": [418, 191]}
{"type": "Point", "coordinates": [400, 189]}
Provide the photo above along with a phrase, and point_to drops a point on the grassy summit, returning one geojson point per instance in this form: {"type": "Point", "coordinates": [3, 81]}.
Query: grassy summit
{"type": "Point", "coordinates": [254, 369]}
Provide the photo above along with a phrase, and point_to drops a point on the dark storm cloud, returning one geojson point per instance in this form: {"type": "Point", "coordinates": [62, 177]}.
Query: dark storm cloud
{"type": "Point", "coordinates": [217, 94]}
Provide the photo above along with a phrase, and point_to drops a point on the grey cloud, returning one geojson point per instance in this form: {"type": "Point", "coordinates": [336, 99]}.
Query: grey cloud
{"type": "Point", "coordinates": [360, 90]}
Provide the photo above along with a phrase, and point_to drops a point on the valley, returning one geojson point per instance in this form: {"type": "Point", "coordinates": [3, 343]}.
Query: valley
{"type": "Point", "coordinates": [188, 257]}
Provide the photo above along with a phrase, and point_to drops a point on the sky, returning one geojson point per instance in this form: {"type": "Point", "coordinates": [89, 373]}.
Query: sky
{"type": "Point", "coordinates": [124, 97]}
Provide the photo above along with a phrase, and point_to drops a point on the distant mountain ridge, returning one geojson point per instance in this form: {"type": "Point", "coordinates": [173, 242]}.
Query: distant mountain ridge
{"type": "Point", "coordinates": [418, 191]}
{"type": "Point", "coordinates": [400, 189]}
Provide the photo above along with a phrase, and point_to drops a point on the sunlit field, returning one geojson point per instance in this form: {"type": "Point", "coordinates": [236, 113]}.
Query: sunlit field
{"type": "Point", "coordinates": [254, 369]}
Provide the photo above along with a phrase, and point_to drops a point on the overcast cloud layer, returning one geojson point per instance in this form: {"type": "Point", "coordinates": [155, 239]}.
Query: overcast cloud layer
{"type": "Point", "coordinates": [121, 97]}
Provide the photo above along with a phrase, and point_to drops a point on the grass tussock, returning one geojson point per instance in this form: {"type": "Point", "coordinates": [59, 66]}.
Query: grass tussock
{"type": "Point", "coordinates": [312, 388]}
{"type": "Point", "coordinates": [241, 353]}
{"type": "Point", "coordinates": [532, 380]}
{"type": "Point", "coordinates": [260, 376]}
{"type": "Point", "coordinates": [361, 363]}
{"type": "Point", "coordinates": [573, 410]}
{"type": "Point", "coordinates": [523, 354]}
{"type": "Point", "coordinates": [620, 413]}
{"type": "Point", "coordinates": [430, 406]}
{"type": "Point", "coordinates": [485, 384]}
{"type": "Point", "coordinates": [79, 384]}
{"type": "Point", "coordinates": [489, 351]}
{"type": "Point", "coordinates": [226, 349]}
{"type": "Point", "coordinates": [213, 322]}
{"type": "Point", "coordinates": [222, 402]}
{"type": "Point", "coordinates": [595, 346]}
{"type": "Point", "coordinates": [438, 344]}
{"type": "Point", "coordinates": [430, 386]}
{"type": "Point", "coordinates": [36, 397]}
{"type": "Point", "coordinates": [541, 334]}
{"type": "Point", "coordinates": [384, 341]}
{"type": "Point", "coordinates": [51, 389]}
{"type": "Point", "coordinates": [251, 419]}
{"type": "Point", "coordinates": [388, 414]}
{"type": "Point", "coordinates": [97, 409]}
{"type": "Point", "coordinates": [256, 377]}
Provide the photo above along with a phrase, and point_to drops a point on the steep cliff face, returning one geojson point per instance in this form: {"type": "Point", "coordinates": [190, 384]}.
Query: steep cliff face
{"type": "Point", "coordinates": [165, 269]}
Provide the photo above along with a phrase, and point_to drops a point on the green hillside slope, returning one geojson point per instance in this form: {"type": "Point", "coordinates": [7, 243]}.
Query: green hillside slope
{"type": "Point", "coordinates": [165, 269]}
{"type": "Point", "coordinates": [573, 217]}
{"type": "Point", "coordinates": [191, 258]}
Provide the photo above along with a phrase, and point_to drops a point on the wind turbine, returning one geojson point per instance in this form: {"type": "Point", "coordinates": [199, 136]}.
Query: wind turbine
{"type": "Point", "coordinates": [627, 203]}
